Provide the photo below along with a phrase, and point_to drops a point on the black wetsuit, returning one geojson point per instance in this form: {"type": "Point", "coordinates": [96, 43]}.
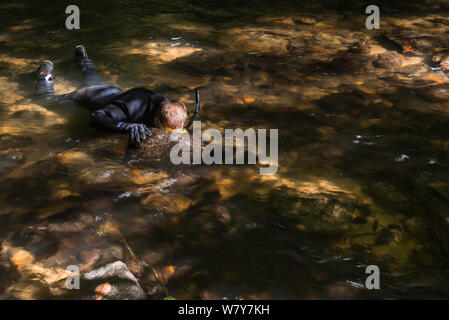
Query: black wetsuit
{"type": "Point", "coordinates": [113, 109]}
{"type": "Point", "coordinates": [138, 105]}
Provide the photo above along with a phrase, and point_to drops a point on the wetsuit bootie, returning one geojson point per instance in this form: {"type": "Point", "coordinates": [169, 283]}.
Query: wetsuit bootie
{"type": "Point", "coordinates": [87, 66]}
{"type": "Point", "coordinates": [82, 58]}
{"type": "Point", "coordinates": [45, 79]}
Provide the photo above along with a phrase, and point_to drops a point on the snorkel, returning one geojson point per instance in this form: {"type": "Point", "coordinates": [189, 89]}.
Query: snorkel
{"type": "Point", "coordinates": [197, 109]}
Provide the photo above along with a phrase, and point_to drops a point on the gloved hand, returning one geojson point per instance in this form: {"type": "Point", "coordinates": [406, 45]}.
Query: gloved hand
{"type": "Point", "coordinates": [137, 131]}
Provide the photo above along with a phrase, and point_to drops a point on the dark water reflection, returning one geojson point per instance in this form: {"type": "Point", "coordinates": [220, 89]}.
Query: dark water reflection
{"type": "Point", "coordinates": [363, 153]}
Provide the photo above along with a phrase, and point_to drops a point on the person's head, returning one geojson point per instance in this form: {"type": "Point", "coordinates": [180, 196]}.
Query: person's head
{"type": "Point", "coordinates": [173, 115]}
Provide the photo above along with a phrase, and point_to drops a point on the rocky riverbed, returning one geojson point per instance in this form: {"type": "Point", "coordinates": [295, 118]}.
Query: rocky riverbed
{"type": "Point", "coordinates": [363, 155]}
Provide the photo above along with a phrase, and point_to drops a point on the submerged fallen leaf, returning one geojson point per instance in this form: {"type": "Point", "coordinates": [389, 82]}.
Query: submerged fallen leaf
{"type": "Point", "coordinates": [22, 258]}
{"type": "Point", "coordinates": [102, 290]}
{"type": "Point", "coordinates": [166, 273]}
{"type": "Point", "coordinates": [249, 100]}
{"type": "Point", "coordinates": [110, 229]}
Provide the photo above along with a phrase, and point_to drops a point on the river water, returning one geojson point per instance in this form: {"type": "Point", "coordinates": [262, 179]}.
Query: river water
{"type": "Point", "coordinates": [363, 152]}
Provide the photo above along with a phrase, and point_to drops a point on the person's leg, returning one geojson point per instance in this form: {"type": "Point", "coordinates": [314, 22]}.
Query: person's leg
{"type": "Point", "coordinates": [45, 80]}
{"type": "Point", "coordinates": [94, 96]}
{"type": "Point", "coordinates": [45, 89]}
{"type": "Point", "coordinates": [91, 76]}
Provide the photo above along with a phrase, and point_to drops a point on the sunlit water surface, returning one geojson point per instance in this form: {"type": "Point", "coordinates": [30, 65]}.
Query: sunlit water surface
{"type": "Point", "coordinates": [363, 153]}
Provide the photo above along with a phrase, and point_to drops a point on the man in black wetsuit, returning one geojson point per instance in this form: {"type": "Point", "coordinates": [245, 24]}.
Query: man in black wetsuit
{"type": "Point", "coordinates": [131, 111]}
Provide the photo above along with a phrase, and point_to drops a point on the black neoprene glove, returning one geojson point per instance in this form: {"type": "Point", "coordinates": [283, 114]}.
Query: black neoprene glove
{"type": "Point", "coordinates": [137, 131]}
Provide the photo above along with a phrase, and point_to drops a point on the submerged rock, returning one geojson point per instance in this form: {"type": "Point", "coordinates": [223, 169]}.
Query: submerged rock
{"type": "Point", "coordinates": [159, 143]}
{"type": "Point", "coordinates": [267, 40]}
{"type": "Point", "coordinates": [396, 62]}
{"type": "Point", "coordinates": [117, 283]}
{"type": "Point", "coordinates": [356, 59]}
{"type": "Point", "coordinates": [442, 230]}
{"type": "Point", "coordinates": [441, 60]}
{"type": "Point", "coordinates": [436, 93]}
{"type": "Point", "coordinates": [413, 43]}
{"type": "Point", "coordinates": [307, 20]}
{"type": "Point", "coordinates": [440, 220]}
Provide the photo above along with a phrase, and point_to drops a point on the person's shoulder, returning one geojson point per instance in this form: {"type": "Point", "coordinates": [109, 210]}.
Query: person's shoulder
{"type": "Point", "coordinates": [147, 94]}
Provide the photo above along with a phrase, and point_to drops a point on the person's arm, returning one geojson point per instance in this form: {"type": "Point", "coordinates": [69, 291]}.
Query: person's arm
{"type": "Point", "coordinates": [112, 118]}
{"type": "Point", "coordinates": [108, 118]}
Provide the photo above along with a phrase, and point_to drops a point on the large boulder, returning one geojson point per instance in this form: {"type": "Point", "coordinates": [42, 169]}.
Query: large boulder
{"type": "Point", "coordinates": [158, 146]}
{"type": "Point", "coordinates": [396, 62]}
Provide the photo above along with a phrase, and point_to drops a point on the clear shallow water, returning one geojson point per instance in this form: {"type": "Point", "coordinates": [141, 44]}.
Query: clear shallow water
{"type": "Point", "coordinates": [363, 153]}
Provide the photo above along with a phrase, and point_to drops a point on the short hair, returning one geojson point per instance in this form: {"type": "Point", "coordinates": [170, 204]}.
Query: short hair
{"type": "Point", "coordinates": [173, 114]}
